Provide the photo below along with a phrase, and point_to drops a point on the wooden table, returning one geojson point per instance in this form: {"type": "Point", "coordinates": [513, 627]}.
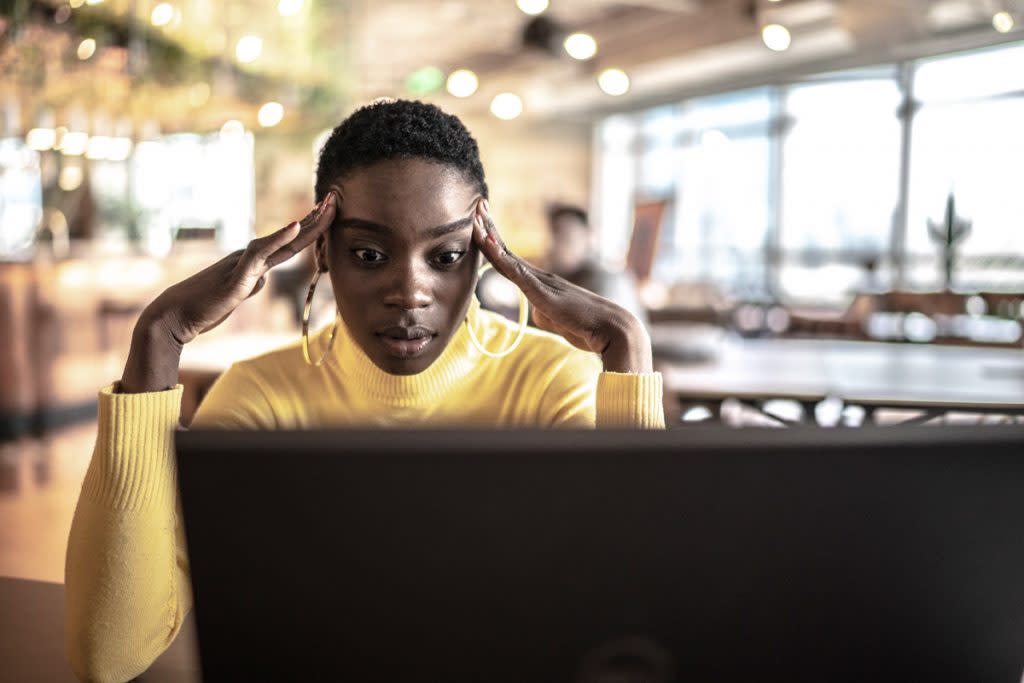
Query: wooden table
{"type": "Point", "coordinates": [32, 639]}
{"type": "Point", "coordinates": [874, 375]}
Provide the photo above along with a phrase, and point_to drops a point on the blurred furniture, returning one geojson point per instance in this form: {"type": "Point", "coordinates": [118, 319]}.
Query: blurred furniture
{"type": "Point", "coordinates": [930, 378]}
{"type": "Point", "coordinates": [203, 361]}
{"type": "Point", "coordinates": [66, 327]}
{"type": "Point", "coordinates": [1008, 305]}
{"type": "Point", "coordinates": [32, 647]}
{"type": "Point", "coordinates": [643, 244]}
{"type": "Point", "coordinates": [17, 319]}
{"type": "Point", "coordinates": [60, 346]}
{"type": "Point", "coordinates": [983, 319]}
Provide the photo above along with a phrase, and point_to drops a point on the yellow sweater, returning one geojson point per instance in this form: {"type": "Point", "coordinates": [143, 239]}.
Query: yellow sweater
{"type": "Point", "coordinates": [127, 571]}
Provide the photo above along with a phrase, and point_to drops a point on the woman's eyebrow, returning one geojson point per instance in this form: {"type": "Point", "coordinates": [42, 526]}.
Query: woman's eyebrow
{"type": "Point", "coordinates": [362, 224]}
{"type": "Point", "coordinates": [430, 233]}
{"type": "Point", "coordinates": [442, 230]}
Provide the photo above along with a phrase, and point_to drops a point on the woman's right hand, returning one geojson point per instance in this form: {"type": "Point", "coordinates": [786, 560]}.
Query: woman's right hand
{"type": "Point", "coordinates": [203, 301]}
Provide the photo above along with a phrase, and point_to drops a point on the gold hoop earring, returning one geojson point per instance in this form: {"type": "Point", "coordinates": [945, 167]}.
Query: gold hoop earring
{"type": "Point", "coordinates": [524, 316]}
{"type": "Point", "coordinates": [305, 326]}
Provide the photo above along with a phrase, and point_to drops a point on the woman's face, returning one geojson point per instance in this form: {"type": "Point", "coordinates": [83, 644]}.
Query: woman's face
{"type": "Point", "coordinates": [402, 260]}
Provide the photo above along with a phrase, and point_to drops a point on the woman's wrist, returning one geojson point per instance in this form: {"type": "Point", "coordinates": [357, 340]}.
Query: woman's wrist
{"type": "Point", "coordinates": [153, 358]}
{"type": "Point", "coordinates": [629, 350]}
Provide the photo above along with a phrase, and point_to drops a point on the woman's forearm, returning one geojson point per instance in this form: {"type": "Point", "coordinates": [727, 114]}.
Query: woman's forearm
{"type": "Point", "coordinates": [153, 358]}
{"type": "Point", "coordinates": [629, 350]}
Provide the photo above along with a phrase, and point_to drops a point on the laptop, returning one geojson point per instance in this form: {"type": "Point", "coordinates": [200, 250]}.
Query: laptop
{"type": "Point", "coordinates": [881, 554]}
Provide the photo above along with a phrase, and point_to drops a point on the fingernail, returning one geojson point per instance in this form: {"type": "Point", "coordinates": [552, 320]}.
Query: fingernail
{"type": "Point", "coordinates": [492, 238]}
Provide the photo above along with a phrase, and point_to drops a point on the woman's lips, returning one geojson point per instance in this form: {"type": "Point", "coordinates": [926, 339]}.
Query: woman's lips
{"type": "Point", "coordinates": [405, 348]}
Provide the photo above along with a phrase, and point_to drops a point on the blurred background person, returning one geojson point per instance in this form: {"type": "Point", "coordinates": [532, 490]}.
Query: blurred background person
{"type": "Point", "coordinates": [572, 255]}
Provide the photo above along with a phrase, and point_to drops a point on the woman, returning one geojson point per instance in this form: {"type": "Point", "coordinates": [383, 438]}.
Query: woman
{"type": "Point", "coordinates": [401, 226]}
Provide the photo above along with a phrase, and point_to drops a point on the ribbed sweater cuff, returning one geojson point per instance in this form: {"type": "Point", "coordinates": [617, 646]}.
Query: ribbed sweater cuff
{"type": "Point", "coordinates": [630, 400]}
{"type": "Point", "coordinates": [133, 464]}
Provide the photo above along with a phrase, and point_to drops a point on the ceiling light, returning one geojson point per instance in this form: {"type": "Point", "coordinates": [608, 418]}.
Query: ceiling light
{"type": "Point", "coordinates": [94, 2]}
{"type": "Point", "coordinates": [425, 80]}
{"type": "Point", "coordinates": [462, 83]}
{"type": "Point", "coordinates": [74, 144]}
{"type": "Point", "coordinates": [613, 82]}
{"type": "Point", "coordinates": [232, 128]}
{"type": "Point", "coordinates": [41, 139]}
{"type": "Point", "coordinates": [162, 14]}
{"type": "Point", "coordinates": [70, 178]}
{"type": "Point", "coordinates": [289, 8]}
{"type": "Point", "coordinates": [249, 49]}
{"type": "Point", "coordinates": [58, 137]}
{"type": "Point", "coordinates": [99, 147]}
{"type": "Point", "coordinates": [1002, 22]}
{"type": "Point", "coordinates": [75, 4]}
{"type": "Point", "coordinates": [581, 46]}
{"type": "Point", "coordinates": [532, 7]}
{"type": "Point", "coordinates": [270, 114]}
{"type": "Point", "coordinates": [776, 37]}
{"type": "Point", "coordinates": [86, 48]}
{"type": "Point", "coordinates": [120, 149]}
{"type": "Point", "coordinates": [507, 106]}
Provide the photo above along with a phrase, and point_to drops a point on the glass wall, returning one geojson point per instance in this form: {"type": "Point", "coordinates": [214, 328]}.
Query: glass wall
{"type": "Point", "coordinates": [193, 181]}
{"type": "Point", "coordinates": [21, 197]}
{"type": "Point", "coordinates": [968, 142]}
{"type": "Point", "coordinates": [818, 189]}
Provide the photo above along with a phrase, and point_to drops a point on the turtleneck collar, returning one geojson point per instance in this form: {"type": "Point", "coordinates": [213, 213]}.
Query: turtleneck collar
{"type": "Point", "coordinates": [361, 375]}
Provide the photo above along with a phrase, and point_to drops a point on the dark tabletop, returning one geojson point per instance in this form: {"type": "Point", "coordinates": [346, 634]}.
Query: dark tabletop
{"type": "Point", "coordinates": [32, 638]}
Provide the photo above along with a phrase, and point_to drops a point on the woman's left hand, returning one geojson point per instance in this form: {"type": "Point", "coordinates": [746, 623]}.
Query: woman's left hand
{"type": "Point", "coordinates": [586, 320]}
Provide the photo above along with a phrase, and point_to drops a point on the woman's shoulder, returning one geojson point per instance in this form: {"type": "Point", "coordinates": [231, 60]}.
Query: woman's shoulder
{"type": "Point", "coordinates": [281, 363]}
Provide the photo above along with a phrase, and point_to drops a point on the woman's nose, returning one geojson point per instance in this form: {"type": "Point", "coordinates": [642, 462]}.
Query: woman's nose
{"type": "Point", "coordinates": [409, 289]}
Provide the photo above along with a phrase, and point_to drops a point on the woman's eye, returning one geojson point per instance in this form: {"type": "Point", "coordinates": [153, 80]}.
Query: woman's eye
{"type": "Point", "coordinates": [369, 255]}
{"type": "Point", "coordinates": [450, 258]}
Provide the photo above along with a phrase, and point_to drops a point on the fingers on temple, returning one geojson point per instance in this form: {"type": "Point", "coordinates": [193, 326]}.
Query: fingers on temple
{"type": "Point", "coordinates": [260, 250]}
{"type": "Point", "coordinates": [311, 227]}
{"type": "Point", "coordinates": [505, 262]}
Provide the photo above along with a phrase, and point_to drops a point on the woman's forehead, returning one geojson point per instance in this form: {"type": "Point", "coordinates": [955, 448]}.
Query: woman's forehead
{"type": "Point", "coordinates": [403, 178]}
{"type": "Point", "coordinates": [406, 193]}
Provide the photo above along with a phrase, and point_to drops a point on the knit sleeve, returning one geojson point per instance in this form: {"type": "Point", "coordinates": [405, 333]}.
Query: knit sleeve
{"type": "Point", "coordinates": [578, 394]}
{"type": "Point", "coordinates": [127, 589]}
{"type": "Point", "coordinates": [126, 572]}
{"type": "Point", "coordinates": [630, 400]}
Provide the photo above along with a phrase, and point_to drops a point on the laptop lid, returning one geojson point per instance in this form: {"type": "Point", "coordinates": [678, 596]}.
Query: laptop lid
{"type": "Point", "coordinates": [694, 555]}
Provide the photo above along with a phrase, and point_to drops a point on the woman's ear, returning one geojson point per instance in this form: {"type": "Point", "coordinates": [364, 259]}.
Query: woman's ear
{"type": "Point", "coordinates": [320, 254]}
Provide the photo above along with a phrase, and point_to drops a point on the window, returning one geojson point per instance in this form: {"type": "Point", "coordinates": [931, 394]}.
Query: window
{"type": "Point", "coordinates": [723, 209]}
{"type": "Point", "coordinates": [840, 184]}
{"type": "Point", "coordinates": [798, 192]}
{"type": "Point", "coordinates": [193, 181]}
{"type": "Point", "coordinates": [616, 178]}
{"type": "Point", "coordinates": [968, 142]}
{"type": "Point", "coordinates": [21, 199]}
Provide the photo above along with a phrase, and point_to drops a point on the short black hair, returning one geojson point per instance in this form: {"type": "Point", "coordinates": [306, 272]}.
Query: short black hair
{"type": "Point", "coordinates": [398, 129]}
{"type": "Point", "coordinates": [566, 210]}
